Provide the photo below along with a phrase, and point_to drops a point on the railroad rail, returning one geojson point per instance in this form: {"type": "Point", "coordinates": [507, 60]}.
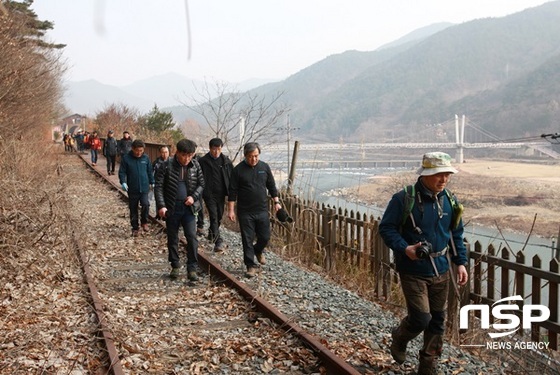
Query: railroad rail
{"type": "Point", "coordinates": [121, 280]}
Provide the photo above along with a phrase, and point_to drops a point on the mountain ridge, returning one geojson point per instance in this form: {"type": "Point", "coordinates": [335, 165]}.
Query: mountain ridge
{"type": "Point", "coordinates": [500, 72]}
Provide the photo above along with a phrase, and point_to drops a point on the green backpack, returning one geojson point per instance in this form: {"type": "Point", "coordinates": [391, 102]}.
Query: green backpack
{"type": "Point", "coordinates": [409, 199]}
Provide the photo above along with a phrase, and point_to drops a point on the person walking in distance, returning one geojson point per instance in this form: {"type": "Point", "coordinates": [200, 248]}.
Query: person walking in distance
{"type": "Point", "coordinates": [94, 146]}
{"type": "Point", "coordinates": [136, 178]}
{"type": "Point", "coordinates": [217, 169]}
{"type": "Point", "coordinates": [161, 159]}
{"type": "Point", "coordinates": [422, 225]}
{"type": "Point", "coordinates": [200, 217]}
{"type": "Point", "coordinates": [178, 194]}
{"type": "Point", "coordinates": [125, 144]}
{"type": "Point", "coordinates": [110, 149]}
{"type": "Point", "coordinates": [251, 179]}
{"type": "Point", "coordinates": [159, 163]}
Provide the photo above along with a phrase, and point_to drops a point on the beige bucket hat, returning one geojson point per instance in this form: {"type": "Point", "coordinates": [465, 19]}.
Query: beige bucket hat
{"type": "Point", "coordinates": [434, 163]}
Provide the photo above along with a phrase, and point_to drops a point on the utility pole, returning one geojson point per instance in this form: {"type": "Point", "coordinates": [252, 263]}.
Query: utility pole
{"type": "Point", "coordinates": [292, 175]}
{"type": "Point", "coordinates": [288, 129]}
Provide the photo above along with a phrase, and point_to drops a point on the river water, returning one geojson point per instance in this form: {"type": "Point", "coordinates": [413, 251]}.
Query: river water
{"type": "Point", "coordinates": [324, 186]}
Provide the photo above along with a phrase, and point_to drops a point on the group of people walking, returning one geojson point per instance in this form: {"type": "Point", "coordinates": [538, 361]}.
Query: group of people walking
{"type": "Point", "coordinates": [182, 183]}
{"type": "Point", "coordinates": [112, 148]}
{"type": "Point", "coordinates": [422, 225]}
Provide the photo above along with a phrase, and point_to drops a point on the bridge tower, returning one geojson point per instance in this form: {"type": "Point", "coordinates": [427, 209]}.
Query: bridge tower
{"type": "Point", "coordinates": [459, 138]}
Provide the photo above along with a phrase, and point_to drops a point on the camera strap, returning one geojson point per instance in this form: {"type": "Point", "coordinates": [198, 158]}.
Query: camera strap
{"type": "Point", "coordinates": [453, 247]}
{"type": "Point", "coordinates": [435, 255]}
{"type": "Point", "coordinates": [434, 265]}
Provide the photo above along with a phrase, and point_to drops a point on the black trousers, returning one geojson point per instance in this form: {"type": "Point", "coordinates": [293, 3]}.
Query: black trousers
{"type": "Point", "coordinates": [111, 163]}
{"type": "Point", "coordinates": [215, 207]}
{"type": "Point", "coordinates": [253, 225]}
{"type": "Point", "coordinates": [133, 200]}
{"type": "Point", "coordinates": [182, 217]}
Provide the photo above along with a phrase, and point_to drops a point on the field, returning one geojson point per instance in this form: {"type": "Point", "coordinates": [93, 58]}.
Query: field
{"type": "Point", "coordinates": [518, 196]}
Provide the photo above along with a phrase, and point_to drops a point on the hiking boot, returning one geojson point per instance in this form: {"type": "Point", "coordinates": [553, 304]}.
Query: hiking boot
{"type": "Point", "coordinates": [145, 227]}
{"type": "Point", "coordinates": [174, 273]}
{"type": "Point", "coordinates": [192, 276]}
{"type": "Point", "coordinates": [261, 259]}
{"type": "Point", "coordinates": [430, 353]}
{"type": "Point", "coordinates": [220, 247]}
{"type": "Point", "coordinates": [135, 233]}
{"type": "Point", "coordinates": [252, 271]}
{"type": "Point", "coordinates": [400, 337]}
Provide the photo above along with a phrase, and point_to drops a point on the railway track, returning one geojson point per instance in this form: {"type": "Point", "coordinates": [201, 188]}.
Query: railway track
{"type": "Point", "coordinates": [149, 323]}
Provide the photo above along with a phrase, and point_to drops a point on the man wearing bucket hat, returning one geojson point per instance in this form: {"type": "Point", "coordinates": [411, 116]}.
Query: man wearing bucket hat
{"type": "Point", "coordinates": [422, 225]}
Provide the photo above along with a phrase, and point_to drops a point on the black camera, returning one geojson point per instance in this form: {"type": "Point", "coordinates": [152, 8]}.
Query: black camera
{"type": "Point", "coordinates": [423, 252]}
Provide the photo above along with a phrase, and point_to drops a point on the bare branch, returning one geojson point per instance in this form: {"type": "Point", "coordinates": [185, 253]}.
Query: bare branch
{"type": "Point", "coordinates": [237, 117]}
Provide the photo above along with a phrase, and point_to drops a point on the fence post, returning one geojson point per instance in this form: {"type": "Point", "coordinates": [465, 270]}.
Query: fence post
{"type": "Point", "coordinates": [553, 304]}
{"type": "Point", "coordinates": [328, 244]}
{"type": "Point", "coordinates": [535, 296]}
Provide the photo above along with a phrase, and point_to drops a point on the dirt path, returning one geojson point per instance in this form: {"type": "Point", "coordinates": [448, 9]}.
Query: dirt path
{"type": "Point", "coordinates": [500, 194]}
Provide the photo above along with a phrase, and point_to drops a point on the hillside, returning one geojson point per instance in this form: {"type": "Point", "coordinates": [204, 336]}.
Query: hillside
{"type": "Point", "coordinates": [502, 73]}
{"type": "Point", "coordinates": [493, 70]}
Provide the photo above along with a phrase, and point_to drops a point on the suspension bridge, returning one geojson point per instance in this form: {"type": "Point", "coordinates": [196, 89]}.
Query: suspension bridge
{"type": "Point", "coordinates": [448, 135]}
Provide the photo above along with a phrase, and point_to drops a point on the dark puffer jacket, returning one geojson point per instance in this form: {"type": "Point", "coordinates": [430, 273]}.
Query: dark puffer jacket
{"type": "Point", "coordinates": [110, 147]}
{"type": "Point", "coordinates": [167, 181]}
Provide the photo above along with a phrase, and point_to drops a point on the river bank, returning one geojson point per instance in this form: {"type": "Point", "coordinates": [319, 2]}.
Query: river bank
{"type": "Point", "coordinates": [518, 196]}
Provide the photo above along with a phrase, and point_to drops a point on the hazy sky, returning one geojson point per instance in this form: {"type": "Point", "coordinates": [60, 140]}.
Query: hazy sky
{"type": "Point", "coordinates": [121, 41]}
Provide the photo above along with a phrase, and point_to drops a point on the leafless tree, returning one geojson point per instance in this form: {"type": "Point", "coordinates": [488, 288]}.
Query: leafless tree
{"type": "Point", "coordinates": [238, 117]}
{"type": "Point", "coordinates": [118, 117]}
{"type": "Point", "coordinates": [30, 72]}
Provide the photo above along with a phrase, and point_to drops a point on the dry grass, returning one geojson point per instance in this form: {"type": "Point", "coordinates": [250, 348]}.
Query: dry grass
{"type": "Point", "coordinates": [38, 265]}
{"type": "Point", "coordinates": [496, 194]}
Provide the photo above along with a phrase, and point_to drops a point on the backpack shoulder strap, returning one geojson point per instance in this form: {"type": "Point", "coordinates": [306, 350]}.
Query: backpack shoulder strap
{"type": "Point", "coordinates": [409, 193]}
{"type": "Point", "coordinates": [456, 207]}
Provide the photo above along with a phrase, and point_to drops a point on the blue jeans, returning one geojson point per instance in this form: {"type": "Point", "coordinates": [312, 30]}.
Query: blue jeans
{"type": "Point", "coordinates": [133, 200]}
{"type": "Point", "coordinates": [251, 226]}
{"type": "Point", "coordinates": [182, 216]}
{"type": "Point", "coordinates": [93, 156]}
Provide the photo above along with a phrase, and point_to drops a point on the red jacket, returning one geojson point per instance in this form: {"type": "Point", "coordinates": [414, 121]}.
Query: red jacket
{"type": "Point", "coordinates": [95, 143]}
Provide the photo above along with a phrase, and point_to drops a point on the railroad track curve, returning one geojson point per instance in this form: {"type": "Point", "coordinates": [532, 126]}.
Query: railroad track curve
{"type": "Point", "coordinates": [149, 323]}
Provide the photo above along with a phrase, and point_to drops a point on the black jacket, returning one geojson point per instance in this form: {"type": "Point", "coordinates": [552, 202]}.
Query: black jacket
{"type": "Point", "coordinates": [167, 181]}
{"type": "Point", "coordinates": [124, 145]}
{"type": "Point", "coordinates": [217, 173]}
{"type": "Point", "coordinates": [250, 186]}
{"type": "Point", "coordinates": [110, 147]}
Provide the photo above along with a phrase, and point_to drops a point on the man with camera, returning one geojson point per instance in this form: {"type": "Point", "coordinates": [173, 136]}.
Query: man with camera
{"type": "Point", "coordinates": [422, 225]}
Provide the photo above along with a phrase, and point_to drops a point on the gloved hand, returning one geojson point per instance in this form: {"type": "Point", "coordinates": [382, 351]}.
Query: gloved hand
{"type": "Point", "coordinates": [124, 186]}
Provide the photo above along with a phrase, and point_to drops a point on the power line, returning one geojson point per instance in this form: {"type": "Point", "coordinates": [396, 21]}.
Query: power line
{"type": "Point", "coordinates": [551, 137]}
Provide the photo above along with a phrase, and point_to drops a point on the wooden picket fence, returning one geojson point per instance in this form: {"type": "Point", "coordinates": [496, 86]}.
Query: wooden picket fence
{"type": "Point", "coordinates": [329, 237]}
{"type": "Point", "coordinates": [332, 237]}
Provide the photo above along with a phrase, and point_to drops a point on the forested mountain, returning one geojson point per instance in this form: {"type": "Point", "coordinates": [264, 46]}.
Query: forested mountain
{"type": "Point", "coordinates": [500, 72]}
